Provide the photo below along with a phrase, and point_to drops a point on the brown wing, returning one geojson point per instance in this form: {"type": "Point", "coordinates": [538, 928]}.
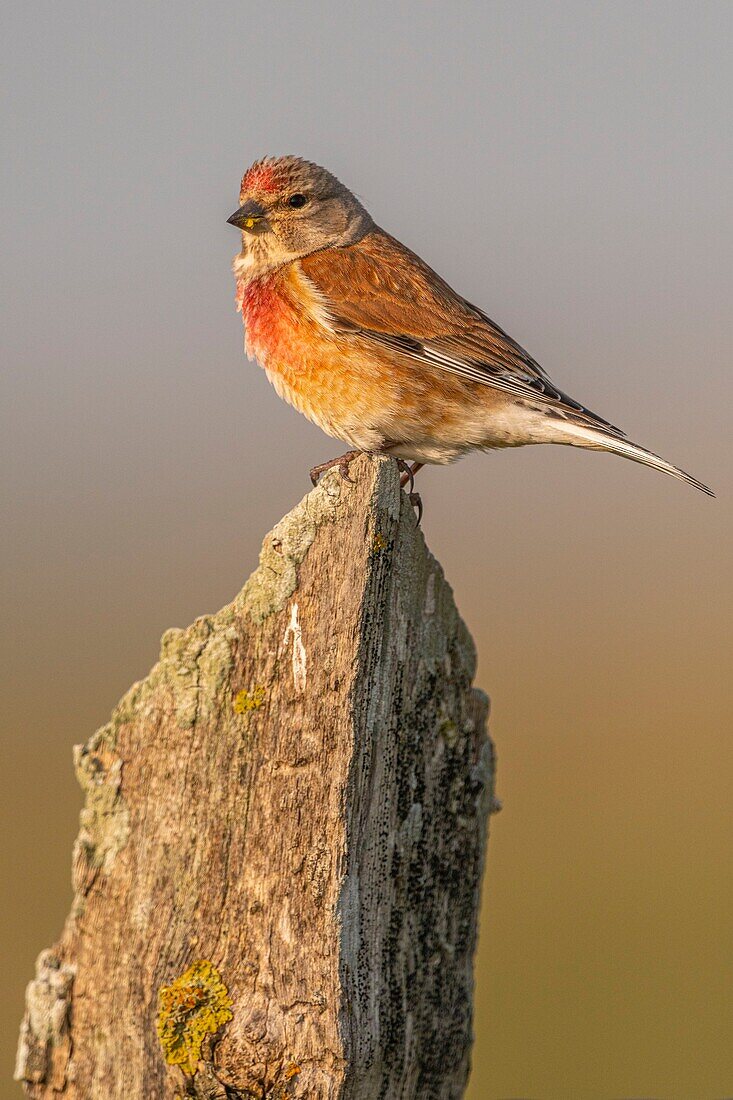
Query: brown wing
{"type": "Point", "coordinates": [384, 294]}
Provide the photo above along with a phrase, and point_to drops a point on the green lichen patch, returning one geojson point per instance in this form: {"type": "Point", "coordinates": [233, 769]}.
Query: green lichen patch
{"type": "Point", "coordinates": [249, 700]}
{"type": "Point", "coordinates": [271, 586]}
{"type": "Point", "coordinates": [195, 663]}
{"type": "Point", "coordinates": [194, 1006]}
{"type": "Point", "coordinates": [105, 819]}
{"type": "Point", "coordinates": [450, 732]}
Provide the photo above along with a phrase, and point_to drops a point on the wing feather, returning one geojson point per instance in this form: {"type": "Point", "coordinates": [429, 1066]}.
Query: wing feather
{"type": "Point", "coordinates": [382, 293]}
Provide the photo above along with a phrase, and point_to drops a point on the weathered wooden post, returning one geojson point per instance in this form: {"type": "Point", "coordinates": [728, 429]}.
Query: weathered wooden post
{"type": "Point", "coordinates": [278, 869]}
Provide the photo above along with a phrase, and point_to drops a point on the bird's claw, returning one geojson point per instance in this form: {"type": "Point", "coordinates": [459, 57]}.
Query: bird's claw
{"type": "Point", "coordinates": [407, 474]}
{"type": "Point", "coordinates": [343, 467]}
{"type": "Point", "coordinates": [344, 471]}
{"type": "Point", "coordinates": [416, 501]}
{"type": "Point", "coordinates": [407, 481]}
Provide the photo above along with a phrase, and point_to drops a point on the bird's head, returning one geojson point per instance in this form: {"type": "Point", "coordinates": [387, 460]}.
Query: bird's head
{"type": "Point", "coordinates": [290, 208]}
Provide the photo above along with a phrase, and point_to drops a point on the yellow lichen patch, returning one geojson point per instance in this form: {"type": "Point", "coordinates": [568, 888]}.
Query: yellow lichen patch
{"type": "Point", "coordinates": [195, 1005]}
{"type": "Point", "coordinates": [249, 700]}
{"type": "Point", "coordinates": [379, 543]}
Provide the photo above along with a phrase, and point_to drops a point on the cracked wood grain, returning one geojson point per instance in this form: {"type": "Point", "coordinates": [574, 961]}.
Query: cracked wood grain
{"type": "Point", "coordinates": [278, 868]}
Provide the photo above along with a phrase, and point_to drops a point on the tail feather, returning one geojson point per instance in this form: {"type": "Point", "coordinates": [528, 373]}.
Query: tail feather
{"type": "Point", "coordinates": [580, 435]}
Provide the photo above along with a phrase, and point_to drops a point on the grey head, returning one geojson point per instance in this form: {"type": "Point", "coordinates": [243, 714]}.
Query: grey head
{"type": "Point", "coordinates": [290, 208]}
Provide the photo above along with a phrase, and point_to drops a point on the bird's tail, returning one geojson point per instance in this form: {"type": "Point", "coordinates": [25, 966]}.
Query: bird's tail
{"type": "Point", "coordinates": [582, 435]}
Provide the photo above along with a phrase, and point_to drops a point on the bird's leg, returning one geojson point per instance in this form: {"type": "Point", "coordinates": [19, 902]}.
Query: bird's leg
{"type": "Point", "coordinates": [342, 462]}
{"type": "Point", "coordinates": [408, 472]}
{"type": "Point", "coordinates": [406, 475]}
{"type": "Point", "coordinates": [407, 478]}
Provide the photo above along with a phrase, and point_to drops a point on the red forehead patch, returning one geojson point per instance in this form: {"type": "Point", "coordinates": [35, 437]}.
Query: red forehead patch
{"type": "Point", "coordinates": [260, 177]}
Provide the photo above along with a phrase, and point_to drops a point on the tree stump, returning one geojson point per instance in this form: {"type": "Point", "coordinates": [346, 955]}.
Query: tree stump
{"type": "Point", "coordinates": [278, 871]}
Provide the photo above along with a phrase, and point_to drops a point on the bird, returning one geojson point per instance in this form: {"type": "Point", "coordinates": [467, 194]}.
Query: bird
{"type": "Point", "coordinates": [360, 335]}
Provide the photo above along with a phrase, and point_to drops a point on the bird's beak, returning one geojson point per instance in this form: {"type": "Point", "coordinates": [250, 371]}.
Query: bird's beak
{"type": "Point", "coordinates": [248, 217]}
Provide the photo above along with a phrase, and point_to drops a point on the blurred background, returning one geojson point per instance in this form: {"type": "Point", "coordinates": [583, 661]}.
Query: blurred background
{"type": "Point", "coordinates": [567, 166]}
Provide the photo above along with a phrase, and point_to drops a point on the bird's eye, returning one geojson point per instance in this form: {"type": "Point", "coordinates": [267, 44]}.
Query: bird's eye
{"type": "Point", "coordinates": [296, 201]}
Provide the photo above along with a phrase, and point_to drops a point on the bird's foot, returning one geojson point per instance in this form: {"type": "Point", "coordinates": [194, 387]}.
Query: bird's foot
{"type": "Point", "coordinates": [416, 501]}
{"type": "Point", "coordinates": [342, 462]}
{"type": "Point", "coordinates": [408, 472]}
{"type": "Point", "coordinates": [407, 479]}
{"type": "Point", "coordinates": [407, 475]}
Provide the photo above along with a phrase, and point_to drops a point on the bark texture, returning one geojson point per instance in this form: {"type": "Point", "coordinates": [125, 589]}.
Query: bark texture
{"type": "Point", "coordinates": [278, 870]}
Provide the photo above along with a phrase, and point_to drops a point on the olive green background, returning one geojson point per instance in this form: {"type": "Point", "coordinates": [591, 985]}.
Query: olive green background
{"type": "Point", "coordinates": [565, 165]}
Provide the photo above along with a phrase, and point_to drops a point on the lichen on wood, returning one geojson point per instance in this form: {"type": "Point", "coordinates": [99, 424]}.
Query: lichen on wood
{"type": "Point", "coordinates": [191, 1009]}
{"type": "Point", "coordinates": [44, 1050]}
{"type": "Point", "coordinates": [278, 868]}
